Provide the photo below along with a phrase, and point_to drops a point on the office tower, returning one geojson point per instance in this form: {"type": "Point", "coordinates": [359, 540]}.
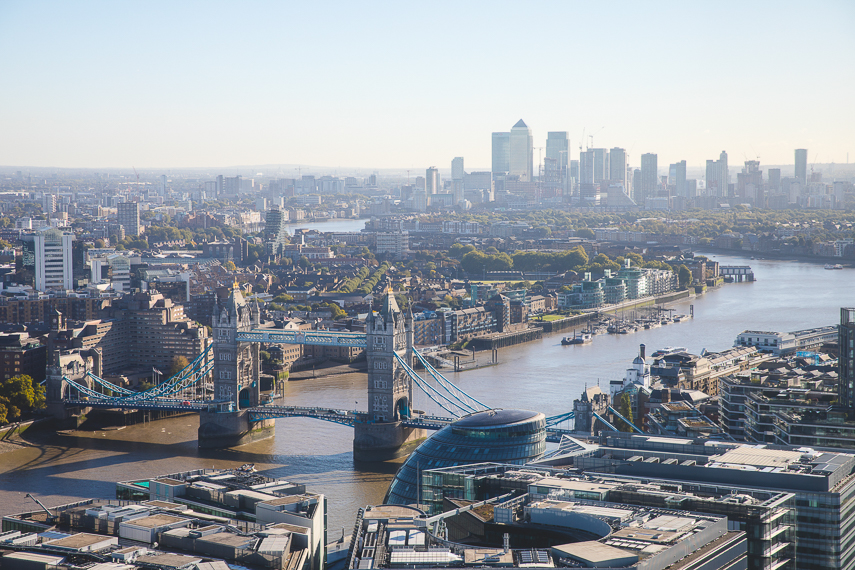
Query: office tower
{"type": "Point", "coordinates": [717, 177]}
{"type": "Point", "coordinates": [501, 153]}
{"type": "Point", "coordinates": [457, 172]}
{"type": "Point", "coordinates": [574, 170]}
{"type": "Point", "coordinates": [557, 147]}
{"type": "Point", "coordinates": [649, 176]}
{"type": "Point", "coordinates": [432, 181]}
{"type": "Point", "coordinates": [749, 183]}
{"type": "Point", "coordinates": [636, 185]}
{"type": "Point", "coordinates": [458, 176]}
{"type": "Point", "coordinates": [691, 188]}
{"type": "Point", "coordinates": [601, 164]}
{"type": "Point", "coordinates": [48, 254]}
{"type": "Point", "coordinates": [677, 177]}
{"type": "Point", "coordinates": [801, 165]}
{"type": "Point", "coordinates": [846, 360]}
{"type": "Point", "coordinates": [617, 167]}
{"type": "Point", "coordinates": [220, 185]}
{"type": "Point", "coordinates": [129, 217]}
{"type": "Point", "coordinates": [774, 180]}
{"type": "Point", "coordinates": [586, 167]}
{"type": "Point", "coordinates": [163, 184]}
{"type": "Point", "coordinates": [521, 152]}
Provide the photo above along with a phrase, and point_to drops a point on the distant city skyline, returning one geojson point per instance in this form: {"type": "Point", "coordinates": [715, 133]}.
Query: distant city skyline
{"type": "Point", "coordinates": [111, 85]}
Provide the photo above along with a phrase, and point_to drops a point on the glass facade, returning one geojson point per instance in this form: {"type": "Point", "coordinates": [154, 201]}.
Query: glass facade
{"type": "Point", "coordinates": [506, 436]}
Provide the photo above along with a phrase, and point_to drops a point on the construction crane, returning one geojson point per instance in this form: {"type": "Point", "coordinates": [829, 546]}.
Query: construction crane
{"type": "Point", "coordinates": [138, 177]}
{"type": "Point", "coordinates": [581, 140]}
{"type": "Point", "coordinates": [592, 136]}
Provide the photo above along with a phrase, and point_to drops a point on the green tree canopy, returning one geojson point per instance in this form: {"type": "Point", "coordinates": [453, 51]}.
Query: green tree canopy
{"type": "Point", "coordinates": [19, 394]}
{"type": "Point", "coordinates": [625, 411]}
{"type": "Point", "coordinates": [179, 363]}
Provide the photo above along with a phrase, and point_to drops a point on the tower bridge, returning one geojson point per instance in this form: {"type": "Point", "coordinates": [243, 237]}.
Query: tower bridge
{"type": "Point", "coordinates": [236, 414]}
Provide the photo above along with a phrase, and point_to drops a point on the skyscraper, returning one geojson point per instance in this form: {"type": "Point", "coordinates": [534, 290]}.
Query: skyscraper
{"type": "Point", "coordinates": [846, 360]}
{"type": "Point", "coordinates": [636, 185]}
{"type": "Point", "coordinates": [601, 164]}
{"type": "Point", "coordinates": [617, 166]}
{"type": "Point", "coordinates": [129, 217]}
{"type": "Point", "coordinates": [586, 166]}
{"type": "Point", "coordinates": [457, 177]}
{"type": "Point", "coordinates": [521, 152]}
{"type": "Point", "coordinates": [501, 154]}
{"type": "Point", "coordinates": [432, 182]}
{"type": "Point", "coordinates": [801, 165]}
{"type": "Point", "coordinates": [774, 180]}
{"type": "Point", "coordinates": [649, 176]}
{"type": "Point", "coordinates": [679, 178]}
{"type": "Point", "coordinates": [718, 177]}
{"type": "Point", "coordinates": [557, 147]}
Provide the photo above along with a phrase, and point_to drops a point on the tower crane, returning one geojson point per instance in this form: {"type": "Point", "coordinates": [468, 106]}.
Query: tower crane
{"type": "Point", "coordinates": [592, 136]}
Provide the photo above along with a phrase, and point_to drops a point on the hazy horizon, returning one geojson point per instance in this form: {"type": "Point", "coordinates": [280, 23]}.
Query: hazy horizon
{"type": "Point", "coordinates": [105, 85]}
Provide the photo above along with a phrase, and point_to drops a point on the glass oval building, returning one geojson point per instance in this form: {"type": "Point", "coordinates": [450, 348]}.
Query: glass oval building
{"type": "Point", "coordinates": [505, 436]}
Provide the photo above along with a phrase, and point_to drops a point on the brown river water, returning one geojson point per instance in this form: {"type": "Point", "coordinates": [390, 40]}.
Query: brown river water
{"type": "Point", "coordinates": [541, 375]}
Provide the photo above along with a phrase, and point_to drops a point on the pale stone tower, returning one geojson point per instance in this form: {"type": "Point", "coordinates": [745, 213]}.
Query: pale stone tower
{"type": "Point", "coordinates": [390, 390]}
{"type": "Point", "coordinates": [236, 378]}
{"type": "Point", "coordinates": [236, 364]}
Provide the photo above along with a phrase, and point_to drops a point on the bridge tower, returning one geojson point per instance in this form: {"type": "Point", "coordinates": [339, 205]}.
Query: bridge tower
{"type": "Point", "coordinates": [390, 391]}
{"type": "Point", "coordinates": [236, 378]}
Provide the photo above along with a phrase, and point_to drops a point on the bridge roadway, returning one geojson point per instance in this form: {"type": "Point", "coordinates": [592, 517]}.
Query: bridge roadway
{"type": "Point", "coordinates": [257, 413]}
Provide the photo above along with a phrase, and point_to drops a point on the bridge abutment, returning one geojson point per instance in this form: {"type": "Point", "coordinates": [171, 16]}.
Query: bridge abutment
{"type": "Point", "coordinates": [231, 429]}
{"type": "Point", "coordinates": [384, 441]}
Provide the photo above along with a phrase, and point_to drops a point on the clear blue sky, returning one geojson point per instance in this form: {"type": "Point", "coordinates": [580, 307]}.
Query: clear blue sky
{"type": "Point", "coordinates": [409, 85]}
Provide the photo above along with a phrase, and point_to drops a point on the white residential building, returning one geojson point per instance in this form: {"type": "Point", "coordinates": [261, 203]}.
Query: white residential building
{"type": "Point", "coordinates": [49, 254]}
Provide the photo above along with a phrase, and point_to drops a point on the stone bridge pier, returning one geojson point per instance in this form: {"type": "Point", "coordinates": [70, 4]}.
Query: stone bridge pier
{"type": "Point", "coordinates": [236, 378]}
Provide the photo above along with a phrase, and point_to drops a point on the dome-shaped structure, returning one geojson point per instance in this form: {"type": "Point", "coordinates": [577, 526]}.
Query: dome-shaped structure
{"type": "Point", "coordinates": [506, 436]}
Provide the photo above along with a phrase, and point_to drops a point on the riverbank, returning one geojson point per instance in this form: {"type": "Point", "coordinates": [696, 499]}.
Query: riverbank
{"type": "Point", "coordinates": [761, 255]}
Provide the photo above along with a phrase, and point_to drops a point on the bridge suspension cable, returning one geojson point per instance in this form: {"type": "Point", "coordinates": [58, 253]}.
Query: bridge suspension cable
{"type": "Point", "coordinates": [430, 391]}
{"type": "Point", "coordinates": [626, 421]}
{"type": "Point", "coordinates": [187, 377]}
{"type": "Point", "coordinates": [458, 394]}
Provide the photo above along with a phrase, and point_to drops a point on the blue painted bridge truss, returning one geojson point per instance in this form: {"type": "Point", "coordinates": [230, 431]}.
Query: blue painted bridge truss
{"type": "Point", "coordinates": [167, 395]}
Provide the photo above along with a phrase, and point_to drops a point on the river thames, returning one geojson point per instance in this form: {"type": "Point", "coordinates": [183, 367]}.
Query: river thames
{"type": "Point", "coordinates": [542, 375]}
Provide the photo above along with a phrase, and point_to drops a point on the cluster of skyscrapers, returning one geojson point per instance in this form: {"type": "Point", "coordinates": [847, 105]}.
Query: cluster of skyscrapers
{"type": "Point", "coordinates": [603, 177]}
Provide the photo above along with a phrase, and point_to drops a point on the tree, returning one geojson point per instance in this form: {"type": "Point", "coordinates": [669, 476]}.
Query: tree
{"type": "Point", "coordinates": [585, 233]}
{"type": "Point", "coordinates": [179, 363]}
{"type": "Point", "coordinates": [229, 265]}
{"type": "Point", "coordinates": [685, 276]}
{"type": "Point", "coordinates": [18, 394]}
{"type": "Point", "coordinates": [304, 262]}
{"type": "Point", "coordinates": [625, 411]}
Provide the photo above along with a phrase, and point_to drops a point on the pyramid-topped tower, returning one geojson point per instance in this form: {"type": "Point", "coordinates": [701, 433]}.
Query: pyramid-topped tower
{"type": "Point", "coordinates": [389, 337]}
{"type": "Point", "coordinates": [389, 388]}
{"type": "Point", "coordinates": [236, 364]}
